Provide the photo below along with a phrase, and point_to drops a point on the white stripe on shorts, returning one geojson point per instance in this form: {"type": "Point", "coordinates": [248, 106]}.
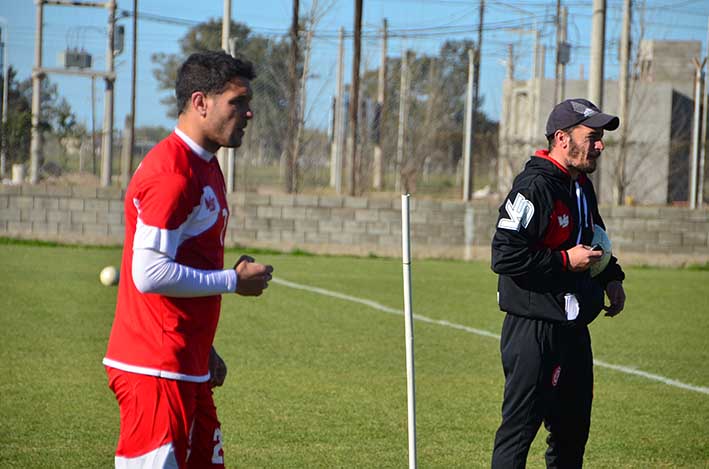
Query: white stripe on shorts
{"type": "Point", "coordinates": [160, 458]}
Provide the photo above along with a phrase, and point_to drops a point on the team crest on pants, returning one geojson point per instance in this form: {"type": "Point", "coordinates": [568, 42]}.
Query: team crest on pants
{"type": "Point", "coordinates": [555, 376]}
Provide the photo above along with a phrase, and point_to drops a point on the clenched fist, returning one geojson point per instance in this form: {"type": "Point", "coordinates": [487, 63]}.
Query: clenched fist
{"type": "Point", "coordinates": [252, 277]}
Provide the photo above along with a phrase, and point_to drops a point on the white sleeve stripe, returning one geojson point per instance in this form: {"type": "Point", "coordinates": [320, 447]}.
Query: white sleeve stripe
{"type": "Point", "coordinates": [168, 241]}
{"type": "Point", "coordinates": [158, 239]}
{"type": "Point", "coordinates": [155, 272]}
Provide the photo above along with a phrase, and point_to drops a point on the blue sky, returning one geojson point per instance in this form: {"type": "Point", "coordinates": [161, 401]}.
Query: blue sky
{"type": "Point", "coordinates": [426, 24]}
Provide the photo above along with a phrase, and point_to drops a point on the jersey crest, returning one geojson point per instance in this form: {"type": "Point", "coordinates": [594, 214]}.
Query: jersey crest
{"type": "Point", "coordinates": [560, 226]}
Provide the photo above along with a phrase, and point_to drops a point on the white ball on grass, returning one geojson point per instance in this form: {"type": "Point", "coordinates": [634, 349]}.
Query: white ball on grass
{"type": "Point", "coordinates": [600, 238]}
{"type": "Point", "coordinates": [109, 276]}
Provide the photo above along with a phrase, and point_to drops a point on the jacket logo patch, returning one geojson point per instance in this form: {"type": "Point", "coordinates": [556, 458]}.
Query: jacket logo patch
{"type": "Point", "coordinates": [555, 376]}
{"type": "Point", "coordinates": [520, 214]}
{"type": "Point", "coordinates": [563, 220]}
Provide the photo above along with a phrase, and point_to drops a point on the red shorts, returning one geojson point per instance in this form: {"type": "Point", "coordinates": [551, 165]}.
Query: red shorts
{"type": "Point", "coordinates": [165, 423]}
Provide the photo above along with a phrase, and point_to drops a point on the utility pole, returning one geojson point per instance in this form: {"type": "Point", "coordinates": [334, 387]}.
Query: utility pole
{"type": "Point", "coordinates": [557, 69]}
{"type": "Point", "coordinates": [403, 117]}
{"type": "Point", "coordinates": [226, 25]}
{"type": "Point", "coordinates": [354, 95]}
{"type": "Point", "coordinates": [468, 131]}
{"type": "Point", "coordinates": [696, 131]}
{"type": "Point", "coordinates": [595, 73]}
{"type": "Point", "coordinates": [478, 52]}
{"type": "Point", "coordinates": [134, 77]}
{"type": "Point", "coordinates": [534, 91]}
{"type": "Point", "coordinates": [107, 143]}
{"type": "Point", "coordinates": [5, 85]}
{"type": "Point", "coordinates": [431, 120]}
{"type": "Point", "coordinates": [129, 126]}
{"type": "Point", "coordinates": [380, 116]}
{"type": "Point", "coordinates": [562, 53]}
{"type": "Point", "coordinates": [702, 153]}
{"type": "Point", "coordinates": [222, 154]}
{"type": "Point", "coordinates": [93, 125]}
{"type": "Point", "coordinates": [623, 85]}
{"type": "Point", "coordinates": [503, 156]}
{"type": "Point", "coordinates": [302, 91]}
{"type": "Point", "coordinates": [510, 62]}
{"type": "Point", "coordinates": [125, 151]}
{"type": "Point", "coordinates": [339, 119]}
{"type": "Point", "coordinates": [473, 122]}
{"type": "Point", "coordinates": [37, 76]}
{"type": "Point", "coordinates": [598, 44]}
{"type": "Point", "coordinates": [290, 174]}
{"type": "Point", "coordinates": [231, 152]}
{"type": "Point", "coordinates": [565, 52]}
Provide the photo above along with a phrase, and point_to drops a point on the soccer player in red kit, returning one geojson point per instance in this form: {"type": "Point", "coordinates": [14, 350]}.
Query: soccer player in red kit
{"type": "Point", "coordinates": [160, 361]}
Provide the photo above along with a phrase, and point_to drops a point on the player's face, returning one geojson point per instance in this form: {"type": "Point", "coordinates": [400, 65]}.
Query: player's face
{"type": "Point", "coordinates": [229, 114]}
{"type": "Point", "coordinates": [585, 147]}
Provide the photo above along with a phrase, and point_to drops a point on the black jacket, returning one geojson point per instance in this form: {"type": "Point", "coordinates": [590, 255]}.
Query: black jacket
{"type": "Point", "coordinates": [546, 213]}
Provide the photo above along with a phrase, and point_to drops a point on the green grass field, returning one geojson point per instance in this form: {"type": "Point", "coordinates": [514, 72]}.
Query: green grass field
{"type": "Point", "coordinates": [316, 381]}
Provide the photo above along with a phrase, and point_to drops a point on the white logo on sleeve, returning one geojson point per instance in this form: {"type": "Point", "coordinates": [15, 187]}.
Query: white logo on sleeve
{"type": "Point", "coordinates": [520, 214]}
{"type": "Point", "coordinates": [563, 220]}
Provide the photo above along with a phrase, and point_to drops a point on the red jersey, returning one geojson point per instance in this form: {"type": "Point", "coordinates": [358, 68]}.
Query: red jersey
{"type": "Point", "coordinates": [175, 204]}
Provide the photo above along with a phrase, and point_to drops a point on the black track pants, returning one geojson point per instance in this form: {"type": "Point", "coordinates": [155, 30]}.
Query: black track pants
{"type": "Point", "coordinates": [548, 378]}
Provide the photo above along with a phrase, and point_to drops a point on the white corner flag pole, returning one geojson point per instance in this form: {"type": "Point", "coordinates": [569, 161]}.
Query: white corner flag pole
{"type": "Point", "coordinates": [408, 325]}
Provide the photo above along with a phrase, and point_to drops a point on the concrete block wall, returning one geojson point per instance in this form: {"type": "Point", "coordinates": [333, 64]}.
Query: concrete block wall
{"type": "Point", "coordinates": [659, 235]}
{"type": "Point", "coordinates": [355, 225]}
{"type": "Point", "coordinates": [347, 225]}
{"type": "Point", "coordinates": [71, 214]}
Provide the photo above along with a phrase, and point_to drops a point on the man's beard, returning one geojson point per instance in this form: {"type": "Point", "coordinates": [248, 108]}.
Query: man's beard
{"type": "Point", "coordinates": [579, 160]}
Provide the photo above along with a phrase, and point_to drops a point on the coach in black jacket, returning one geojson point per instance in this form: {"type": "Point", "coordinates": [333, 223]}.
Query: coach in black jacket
{"type": "Point", "coordinates": [542, 255]}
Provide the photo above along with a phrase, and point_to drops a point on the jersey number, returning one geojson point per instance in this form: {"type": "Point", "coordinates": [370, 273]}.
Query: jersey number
{"type": "Point", "coordinates": [217, 458]}
{"type": "Point", "coordinates": [225, 215]}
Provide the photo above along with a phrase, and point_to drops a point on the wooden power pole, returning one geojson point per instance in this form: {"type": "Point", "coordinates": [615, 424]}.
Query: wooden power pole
{"type": "Point", "coordinates": [476, 98]}
{"type": "Point", "coordinates": [291, 164]}
{"type": "Point", "coordinates": [380, 117]}
{"type": "Point", "coordinates": [623, 86]}
{"type": "Point", "coordinates": [354, 95]}
{"type": "Point", "coordinates": [338, 141]}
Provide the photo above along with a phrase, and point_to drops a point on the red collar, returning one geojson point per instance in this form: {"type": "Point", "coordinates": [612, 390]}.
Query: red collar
{"type": "Point", "coordinates": [545, 154]}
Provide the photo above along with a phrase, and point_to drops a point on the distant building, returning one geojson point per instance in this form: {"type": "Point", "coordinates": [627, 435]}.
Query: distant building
{"type": "Point", "coordinates": [659, 125]}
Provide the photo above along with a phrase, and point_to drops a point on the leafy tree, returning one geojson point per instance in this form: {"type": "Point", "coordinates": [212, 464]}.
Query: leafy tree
{"type": "Point", "coordinates": [436, 112]}
{"type": "Point", "coordinates": [57, 118]}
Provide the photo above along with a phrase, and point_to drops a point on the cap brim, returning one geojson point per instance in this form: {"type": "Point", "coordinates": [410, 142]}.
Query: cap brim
{"type": "Point", "coordinates": [602, 121]}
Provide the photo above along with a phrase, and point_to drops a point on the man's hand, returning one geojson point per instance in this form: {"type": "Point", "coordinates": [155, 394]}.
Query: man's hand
{"type": "Point", "coordinates": [581, 257]}
{"type": "Point", "coordinates": [252, 278]}
{"type": "Point", "coordinates": [616, 295]}
{"type": "Point", "coordinates": [217, 369]}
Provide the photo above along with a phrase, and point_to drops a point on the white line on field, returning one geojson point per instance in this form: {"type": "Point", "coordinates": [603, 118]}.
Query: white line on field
{"type": "Point", "coordinates": [472, 330]}
{"type": "Point", "coordinates": [654, 377]}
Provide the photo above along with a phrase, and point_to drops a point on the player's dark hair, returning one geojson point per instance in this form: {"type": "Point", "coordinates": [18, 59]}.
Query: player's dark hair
{"type": "Point", "coordinates": [209, 72]}
{"type": "Point", "coordinates": [550, 139]}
